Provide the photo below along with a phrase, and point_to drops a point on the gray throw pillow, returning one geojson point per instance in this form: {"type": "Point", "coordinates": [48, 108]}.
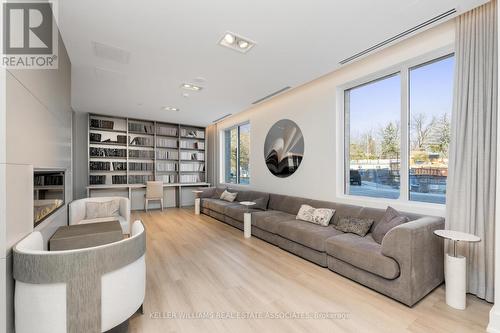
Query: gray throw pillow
{"type": "Point", "coordinates": [354, 225]}
{"type": "Point", "coordinates": [391, 219]}
{"type": "Point", "coordinates": [260, 203]}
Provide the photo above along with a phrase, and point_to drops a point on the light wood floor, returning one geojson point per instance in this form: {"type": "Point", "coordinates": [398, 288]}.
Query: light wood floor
{"type": "Point", "coordinates": [197, 265]}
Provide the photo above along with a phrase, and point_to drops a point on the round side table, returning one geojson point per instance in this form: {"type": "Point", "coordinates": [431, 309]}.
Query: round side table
{"type": "Point", "coordinates": [197, 202]}
{"type": "Point", "coordinates": [455, 273]}
{"type": "Point", "coordinates": [247, 218]}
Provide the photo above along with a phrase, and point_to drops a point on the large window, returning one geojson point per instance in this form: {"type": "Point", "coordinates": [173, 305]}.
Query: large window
{"type": "Point", "coordinates": [397, 132]}
{"type": "Point", "coordinates": [237, 154]}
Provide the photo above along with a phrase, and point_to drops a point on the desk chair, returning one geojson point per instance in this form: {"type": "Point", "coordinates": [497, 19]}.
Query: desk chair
{"type": "Point", "coordinates": [154, 191]}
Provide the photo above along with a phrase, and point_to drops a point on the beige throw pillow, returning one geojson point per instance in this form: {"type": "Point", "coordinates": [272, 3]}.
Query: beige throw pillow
{"type": "Point", "coordinates": [354, 225]}
{"type": "Point", "coordinates": [321, 216]}
{"type": "Point", "coordinates": [228, 196]}
{"type": "Point", "coordinates": [95, 210]}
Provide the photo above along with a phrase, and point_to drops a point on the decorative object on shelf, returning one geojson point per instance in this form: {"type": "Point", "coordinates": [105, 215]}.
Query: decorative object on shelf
{"type": "Point", "coordinates": [284, 148]}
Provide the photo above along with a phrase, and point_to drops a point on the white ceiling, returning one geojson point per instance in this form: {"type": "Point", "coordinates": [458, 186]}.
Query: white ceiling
{"type": "Point", "coordinates": [175, 41]}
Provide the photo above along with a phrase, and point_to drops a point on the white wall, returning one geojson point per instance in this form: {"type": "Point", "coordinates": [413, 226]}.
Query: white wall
{"type": "Point", "coordinates": [37, 133]}
{"type": "Point", "coordinates": [314, 107]}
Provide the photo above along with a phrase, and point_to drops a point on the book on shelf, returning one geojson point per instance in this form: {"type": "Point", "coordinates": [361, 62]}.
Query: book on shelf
{"type": "Point", "coordinates": [164, 130]}
{"type": "Point", "coordinates": [167, 154]}
{"type": "Point", "coordinates": [188, 144]}
{"type": "Point", "coordinates": [97, 180]}
{"type": "Point", "coordinates": [142, 141]}
{"type": "Point", "coordinates": [140, 166]}
{"type": "Point", "coordinates": [101, 123]}
{"type": "Point", "coordinates": [163, 166]}
{"type": "Point", "coordinates": [195, 178]}
{"type": "Point", "coordinates": [150, 154]}
{"type": "Point", "coordinates": [141, 128]}
{"type": "Point", "coordinates": [119, 180]}
{"type": "Point", "coordinates": [193, 167]}
{"type": "Point", "coordinates": [107, 152]}
{"type": "Point", "coordinates": [198, 134]}
{"type": "Point", "coordinates": [169, 179]}
{"type": "Point", "coordinates": [192, 156]}
{"type": "Point", "coordinates": [166, 143]}
{"type": "Point", "coordinates": [139, 179]}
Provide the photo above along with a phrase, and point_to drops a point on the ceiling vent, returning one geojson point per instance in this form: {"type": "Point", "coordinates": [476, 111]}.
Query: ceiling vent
{"type": "Point", "coordinates": [219, 119]}
{"type": "Point", "coordinates": [271, 95]}
{"type": "Point", "coordinates": [111, 53]}
{"type": "Point", "coordinates": [399, 36]}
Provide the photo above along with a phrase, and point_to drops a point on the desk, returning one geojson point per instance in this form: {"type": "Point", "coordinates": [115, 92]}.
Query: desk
{"type": "Point", "coordinates": [130, 187]}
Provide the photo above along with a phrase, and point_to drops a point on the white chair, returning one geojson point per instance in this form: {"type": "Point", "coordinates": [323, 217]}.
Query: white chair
{"type": "Point", "coordinates": [43, 294]}
{"type": "Point", "coordinates": [154, 192]}
{"type": "Point", "coordinates": [78, 208]}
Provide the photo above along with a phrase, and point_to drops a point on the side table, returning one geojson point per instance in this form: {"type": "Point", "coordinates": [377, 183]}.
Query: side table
{"type": "Point", "coordinates": [455, 273]}
{"type": "Point", "coordinates": [197, 202]}
{"type": "Point", "coordinates": [247, 218]}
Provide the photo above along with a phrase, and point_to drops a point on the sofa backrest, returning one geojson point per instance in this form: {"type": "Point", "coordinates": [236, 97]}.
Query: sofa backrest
{"type": "Point", "coordinates": [262, 198]}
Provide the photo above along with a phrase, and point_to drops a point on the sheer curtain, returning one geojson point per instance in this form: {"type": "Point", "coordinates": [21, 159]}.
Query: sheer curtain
{"type": "Point", "coordinates": [472, 166]}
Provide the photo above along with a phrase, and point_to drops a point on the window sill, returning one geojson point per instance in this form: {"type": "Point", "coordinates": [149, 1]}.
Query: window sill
{"type": "Point", "coordinates": [399, 204]}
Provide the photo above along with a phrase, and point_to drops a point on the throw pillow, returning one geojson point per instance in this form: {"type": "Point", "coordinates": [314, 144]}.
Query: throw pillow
{"type": "Point", "coordinates": [228, 196]}
{"type": "Point", "coordinates": [95, 210]}
{"type": "Point", "coordinates": [354, 225]}
{"type": "Point", "coordinates": [260, 203]}
{"type": "Point", "coordinates": [391, 219]}
{"type": "Point", "coordinates": [321, 216]}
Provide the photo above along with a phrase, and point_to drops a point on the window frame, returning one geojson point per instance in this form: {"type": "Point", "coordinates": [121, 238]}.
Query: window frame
{"type": "Point", "coordinates": [223, 154]}
{"type": "Point", "coordinates": [343, 140]}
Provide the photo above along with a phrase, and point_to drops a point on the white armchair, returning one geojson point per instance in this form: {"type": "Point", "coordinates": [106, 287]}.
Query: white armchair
{"type": "Point", "coordinates": [54, 294]}
{"type": "Point", "coordinates": [77, 212]}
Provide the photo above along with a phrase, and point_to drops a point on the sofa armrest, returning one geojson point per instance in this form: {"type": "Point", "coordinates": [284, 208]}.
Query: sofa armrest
{"type": "Point", "coordinates": [77, 211]}
{"type": "Point", "coordinates": [207, 192]}
{"type": "Point", "coordinates": [125, 211]}
{"type": "Point", "coordinates": [419, 254]}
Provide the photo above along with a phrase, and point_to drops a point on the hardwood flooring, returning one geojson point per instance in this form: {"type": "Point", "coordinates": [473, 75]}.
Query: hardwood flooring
{"type": "Point", "coordinates": [204, 270]}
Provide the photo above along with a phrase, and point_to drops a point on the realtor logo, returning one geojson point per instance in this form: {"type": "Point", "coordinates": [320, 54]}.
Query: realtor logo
{"type": "Point", "coordinates": [30, 35]}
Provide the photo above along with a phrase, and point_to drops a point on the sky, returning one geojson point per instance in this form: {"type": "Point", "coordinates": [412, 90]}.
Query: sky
{"type": "Point", "coordinates": [376, 104]}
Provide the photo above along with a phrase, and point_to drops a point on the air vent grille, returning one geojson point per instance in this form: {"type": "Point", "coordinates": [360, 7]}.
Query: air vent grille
{"type": "Point", "coordinates": [111, 53]}
{"type": "Point", "coordinates": [223, 117]}
{"type": "Point", "coordinates": [271, 95]}
{"type": "Point", "coordinates": [399, 36]}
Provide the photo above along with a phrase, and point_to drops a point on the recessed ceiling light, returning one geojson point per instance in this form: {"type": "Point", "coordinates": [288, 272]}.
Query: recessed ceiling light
{"type": "Point", "coordinates": [243, 44]}
{"type": "Point", "coordinates": [170, 108]}
{"type": "Point", "coordinates": [190, 86]}
{"type": "Point", "coordinates": [229, 38]}
{"type": "Point", "coordinates": [235, 42]}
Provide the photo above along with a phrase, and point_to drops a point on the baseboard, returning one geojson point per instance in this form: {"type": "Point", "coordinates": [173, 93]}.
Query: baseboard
{"type": "Point", "coordinates": [494, 324]}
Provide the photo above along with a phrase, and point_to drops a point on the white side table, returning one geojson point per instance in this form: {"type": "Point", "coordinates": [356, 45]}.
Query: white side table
{"type": "Point", "coordinates": [197, 202]}
{"type": "Point", "coordinates": [247, 219]}
{"type": "Point", "coordinates": [455, 273]}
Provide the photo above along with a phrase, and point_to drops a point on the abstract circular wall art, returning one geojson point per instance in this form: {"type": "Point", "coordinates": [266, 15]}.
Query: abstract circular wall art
{"type": "Point", "coordinates": [284, 148]}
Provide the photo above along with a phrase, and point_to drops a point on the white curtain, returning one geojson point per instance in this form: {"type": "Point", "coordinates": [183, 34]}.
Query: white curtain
{"type": "Point", "coordinates": [470, 201]}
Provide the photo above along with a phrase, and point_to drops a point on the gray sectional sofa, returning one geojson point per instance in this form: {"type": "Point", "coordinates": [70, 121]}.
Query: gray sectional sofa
{"type": "Point", "coordinates": [406, 266]}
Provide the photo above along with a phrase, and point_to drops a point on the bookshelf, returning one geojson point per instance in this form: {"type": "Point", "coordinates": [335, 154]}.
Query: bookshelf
{"type": "Point", "coordinates": [129, 151]}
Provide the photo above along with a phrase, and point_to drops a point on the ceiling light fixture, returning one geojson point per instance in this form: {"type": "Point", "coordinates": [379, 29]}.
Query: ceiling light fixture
{"type": "Point", "coordinates": [170, 108]}
{"type": "Point", "coordinates": [235, 42]}
{"type": "Point", "coordinates": [190, 86]}
{"type": "Point", "coordinates": [229, 38]}
{"type": "Point", "coordinates": [243, 44]}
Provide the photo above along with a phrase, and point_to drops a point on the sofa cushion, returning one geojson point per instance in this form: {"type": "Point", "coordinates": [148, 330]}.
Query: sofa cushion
{"type": "Point", "coordinates": [98, 209]}
{"type": "Point", "coordinates": [236, 211]}
{"type": "Point", "coordinates": [260, 198]}
{"type": "Point", "coordinates": [307, 234]}
{"type": "Point", "coordinates": [218, 205]}
{"type": "Point", "coordinates": [364, 253]}
{"type": "Point", "coordinates": [270, 219]}
{"type": "Point", "coordinates": [354, 225]}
